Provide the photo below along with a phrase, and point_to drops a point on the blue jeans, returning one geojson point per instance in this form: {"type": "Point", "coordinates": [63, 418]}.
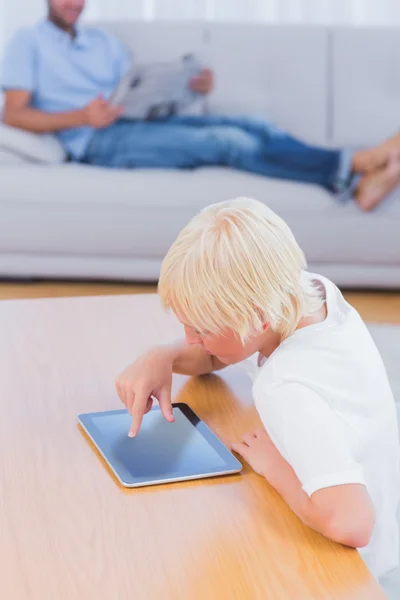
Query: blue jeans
{"type": "Point", "coordinates": [247, 144]}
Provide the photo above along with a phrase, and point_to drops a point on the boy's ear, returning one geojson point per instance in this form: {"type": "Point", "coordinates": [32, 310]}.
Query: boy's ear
{"type": "Point", "coordinates": [266, 326]}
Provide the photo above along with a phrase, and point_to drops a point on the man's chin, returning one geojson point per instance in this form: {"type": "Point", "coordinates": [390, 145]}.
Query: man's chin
{"type": "Point", "coordinates": [72, 22]}
{"type": "Point", "coordinates": [72, 18]}
{"type": "Point", "coordinates": [65, 23]}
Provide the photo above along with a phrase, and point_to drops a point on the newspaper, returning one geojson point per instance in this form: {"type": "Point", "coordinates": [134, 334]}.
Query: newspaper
{"type": "Point", "coordinates": [158, 90]}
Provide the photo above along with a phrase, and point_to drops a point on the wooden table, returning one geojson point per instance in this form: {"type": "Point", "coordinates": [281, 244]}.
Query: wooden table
{"type": "Point", "coordinates": [70, 532]}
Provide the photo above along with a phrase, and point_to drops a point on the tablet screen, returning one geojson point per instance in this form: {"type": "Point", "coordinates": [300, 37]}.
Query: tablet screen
{"type": "Point", "coordinates": [160, 447]}
{"type": "Point", "coordinates": [162, 451]}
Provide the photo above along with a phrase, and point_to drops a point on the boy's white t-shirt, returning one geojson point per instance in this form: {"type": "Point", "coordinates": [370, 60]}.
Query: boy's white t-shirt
{"type": "Point", "coordinates": [325, 400]}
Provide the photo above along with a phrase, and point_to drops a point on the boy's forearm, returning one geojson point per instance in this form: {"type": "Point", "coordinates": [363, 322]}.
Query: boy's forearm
{"type": "Point", "coordinates": [344, 528]}
{"type": "Point", "coordinates": [37, 121]}
{"type": "Point", "coordinates": [288, 485]}
{"type": "Point", "coordinates": [190, 360]}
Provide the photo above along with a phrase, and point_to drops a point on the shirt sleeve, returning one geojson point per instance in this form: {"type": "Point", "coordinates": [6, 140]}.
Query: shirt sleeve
{"type": "Point", "coordinates": [311, 437]}
{"type": "Point", "coordinates": [122, 58]}
{"type": "Point", "coordinates": [18, 72]}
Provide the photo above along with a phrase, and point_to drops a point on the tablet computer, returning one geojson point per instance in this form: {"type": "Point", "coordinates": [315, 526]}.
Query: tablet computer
{"type": "Point", "coordinates": [162, 452]}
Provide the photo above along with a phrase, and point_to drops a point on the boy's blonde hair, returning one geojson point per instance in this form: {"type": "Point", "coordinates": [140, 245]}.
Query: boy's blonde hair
{"type": "Point", "coordinates": [236, 266]}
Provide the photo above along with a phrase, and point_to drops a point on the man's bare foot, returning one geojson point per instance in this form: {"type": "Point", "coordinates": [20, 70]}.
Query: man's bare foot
{"type": "Point", "coordinates": [377, 186]}
{"type": "Point", "coordinates": [365, 161]}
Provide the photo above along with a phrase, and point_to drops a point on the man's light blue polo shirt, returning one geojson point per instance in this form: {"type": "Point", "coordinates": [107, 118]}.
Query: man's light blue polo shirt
{"type": "Point", "coordinates": [65, 74]}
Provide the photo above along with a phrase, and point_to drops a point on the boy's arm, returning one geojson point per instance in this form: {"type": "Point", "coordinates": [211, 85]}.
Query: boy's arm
{"type": "Point", "coordinates": [343, 513]}
{"type": "Point", "coordinates": [151, 376]}
{"type": "Point", "coordinates": [193, 360]}
{"type": "Point", "coordinates": [306, 456]}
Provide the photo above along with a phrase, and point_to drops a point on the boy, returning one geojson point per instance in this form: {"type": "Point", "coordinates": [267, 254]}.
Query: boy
{"type": "Point", "coordinates": [236, 279]}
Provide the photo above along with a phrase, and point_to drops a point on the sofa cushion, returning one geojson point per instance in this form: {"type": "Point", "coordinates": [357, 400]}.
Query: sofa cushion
{"type": "Point", "coordinates": [77, 210]}
{"type": "Point", "coordinates": [11, 158]}
{"type": "Point", "coordinates": [30, 147]}
{"type": "Point", "coordinates": [366, 85]}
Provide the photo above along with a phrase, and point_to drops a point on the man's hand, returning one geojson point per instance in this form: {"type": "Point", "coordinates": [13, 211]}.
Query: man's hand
{"type": "Point", "coordinates": [100, 114]}
{"type": "Point", "coordinates": [261, 453]}
{"type": "Point", "coordinates": [150, 376]}
{"type": "Point", "coordinates": [203, 83]}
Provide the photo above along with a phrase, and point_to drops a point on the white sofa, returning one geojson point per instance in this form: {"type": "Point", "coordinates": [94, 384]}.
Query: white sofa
{"type": "Point", "coordinates": [331, 87]}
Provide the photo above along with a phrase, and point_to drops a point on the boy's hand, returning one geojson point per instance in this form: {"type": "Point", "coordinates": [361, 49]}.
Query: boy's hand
{"type": "Point", "coordinates": [261, 453]}
{"type": "Point", "coordinates": [150, 376]}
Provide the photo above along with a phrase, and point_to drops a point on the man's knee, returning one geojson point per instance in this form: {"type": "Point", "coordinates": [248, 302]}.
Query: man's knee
{"type": "Point", "coordinates": [233, 142]}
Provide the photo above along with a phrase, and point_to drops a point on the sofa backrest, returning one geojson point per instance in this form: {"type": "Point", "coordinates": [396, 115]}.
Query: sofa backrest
{"type": "Point", "coordinates": [366, 85]}
{"type": "Point", "coordinates": [278, 72]}
{"type": "Point", "coordinates": [337, 86]}
{"type": "Point", "coordinates": [161, 40]}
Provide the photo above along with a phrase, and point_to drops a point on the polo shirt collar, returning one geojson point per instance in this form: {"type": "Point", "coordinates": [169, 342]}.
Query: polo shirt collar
{"type": "Point", "coordinates": [80, 39]}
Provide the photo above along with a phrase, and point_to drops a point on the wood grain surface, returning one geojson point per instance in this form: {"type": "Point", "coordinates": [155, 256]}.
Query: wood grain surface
{"type": "Point", "coordinates": [69, 531]}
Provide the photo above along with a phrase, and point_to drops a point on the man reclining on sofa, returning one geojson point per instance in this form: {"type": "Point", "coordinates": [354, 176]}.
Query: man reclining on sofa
{"type": "Point", "coordinates": [59, 78]}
